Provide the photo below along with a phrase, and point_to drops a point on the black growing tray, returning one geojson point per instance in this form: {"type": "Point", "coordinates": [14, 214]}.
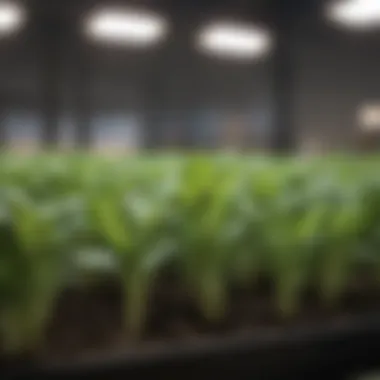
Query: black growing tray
{"type": "Point", "coordinates": [334, 349]}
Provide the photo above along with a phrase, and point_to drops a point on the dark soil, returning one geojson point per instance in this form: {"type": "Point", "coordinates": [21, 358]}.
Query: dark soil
{"type": "Point", "coordinates": [88, 321]}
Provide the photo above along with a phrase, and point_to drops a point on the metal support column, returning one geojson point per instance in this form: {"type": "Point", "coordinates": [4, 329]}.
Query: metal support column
{"type": "Point", "coordinates": [82, 95]}
{"type": "Point", "coordinates": [51, 33]}
{"type": "Point", "coordinates": [284, 128]}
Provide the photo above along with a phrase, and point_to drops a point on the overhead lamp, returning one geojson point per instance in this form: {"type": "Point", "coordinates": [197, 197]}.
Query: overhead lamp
{"type": "Point", "coordinates": [12, 16]}
{"type": "Point", "coordinates": [235, 41]}
{"type": "Point", "coordinates": [355, 14]}
{"type": "Point", "coordinates": [369, 117]}
{"type": "Point", "coordinates": [126, 26]}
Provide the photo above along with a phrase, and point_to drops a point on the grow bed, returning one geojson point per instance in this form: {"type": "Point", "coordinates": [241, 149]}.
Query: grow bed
{"type": "Point", "coordinates": [185, 265]}
{"type": "Point", "coordinates": [86, 338]}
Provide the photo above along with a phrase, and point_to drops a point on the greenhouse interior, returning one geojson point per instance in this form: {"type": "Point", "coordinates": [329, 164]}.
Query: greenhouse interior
{"type": "Point", "coordinates": [190, 189]}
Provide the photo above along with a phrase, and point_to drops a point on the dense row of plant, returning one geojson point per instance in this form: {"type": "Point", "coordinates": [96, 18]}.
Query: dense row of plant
{"type": "Point", "coordinates": [218, 221]}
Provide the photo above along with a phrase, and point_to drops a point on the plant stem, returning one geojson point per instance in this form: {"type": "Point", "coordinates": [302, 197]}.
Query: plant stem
{"type": "Point", "coordinates": [334, 278]}
{"type": "Point", "coordinates": [288, 296]}
{"type": "Point", "coordinates": [212, 295]}
{"type": "Point", "coordinates": [136, 288]}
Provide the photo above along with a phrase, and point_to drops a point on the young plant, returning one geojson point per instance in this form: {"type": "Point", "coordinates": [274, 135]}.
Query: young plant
{"type": "Point", "coordinates": [254, 203]}
{"type": "Point", "coordinates": [342, 243]}
{"type": "Point", "coordinates": [31, 262]}
{"type": "Point", "coordinates": [369, 232]}
{"type": "Point", "coordinates": [292, 230]}
{"type": "Point", "coordinates": [134, 226]}
{"type": "Point", "coordinates": [205, 236]}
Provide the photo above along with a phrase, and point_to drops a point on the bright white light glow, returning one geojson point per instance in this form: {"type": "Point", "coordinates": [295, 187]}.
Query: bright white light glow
{"type": "Point", "coordinates": [126, 27]}
{"type": "Point", "coordinates": [356, 14]}
{"type": "Point", "coordinates": [369, 117]}
{"type": "Point", "coordinates": [234, 41]}
{"type": "Point", "coordinates": [11, 17]}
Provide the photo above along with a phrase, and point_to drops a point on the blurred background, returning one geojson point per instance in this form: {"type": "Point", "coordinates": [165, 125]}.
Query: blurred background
{"type": "Point", "coordinates": [253, 75]}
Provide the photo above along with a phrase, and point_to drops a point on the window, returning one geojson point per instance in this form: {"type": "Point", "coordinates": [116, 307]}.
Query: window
{"type": "Point", "coordinates": [23, 130]}
{"type": "Point", "coordinates": [115, 133]}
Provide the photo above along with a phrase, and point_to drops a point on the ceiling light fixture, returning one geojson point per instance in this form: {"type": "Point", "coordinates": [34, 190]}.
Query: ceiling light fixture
{"type": "Point", "coordinates": [12, 17]}
{"type": "Point", "coordinates": [369, 117]}
{"type": "Point", "coordinates": [126, 26]}
{"type": "Point", "coordinates": [355, 14]}
{"type": "Point", "coordinates": [235, 41]}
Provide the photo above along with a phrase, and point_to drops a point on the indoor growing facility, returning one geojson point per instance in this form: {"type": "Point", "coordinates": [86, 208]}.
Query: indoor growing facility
{"type": "Point", "coordinates": [189, 189]}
